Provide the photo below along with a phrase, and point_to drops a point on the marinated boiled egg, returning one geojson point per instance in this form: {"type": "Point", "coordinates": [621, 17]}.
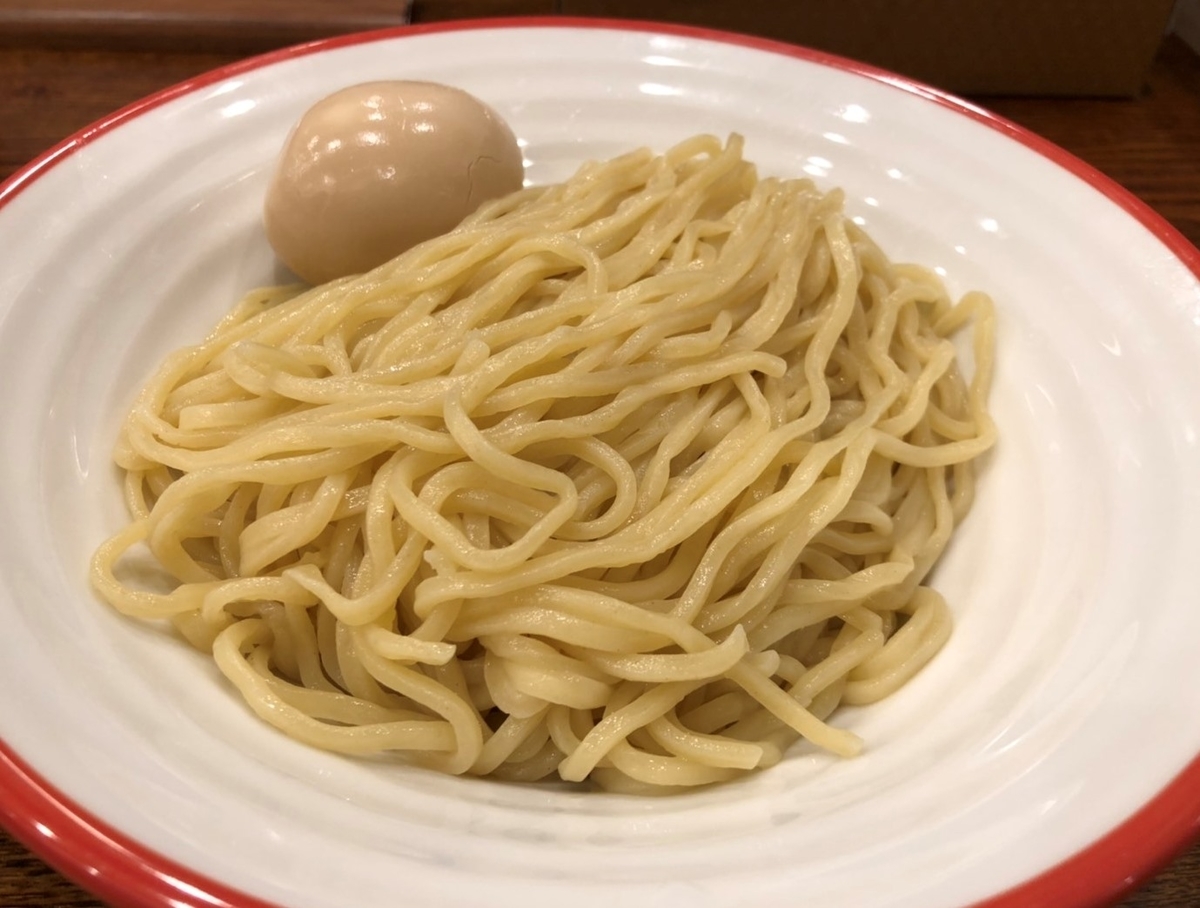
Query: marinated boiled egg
{"type": "Point", "coordinates": [374, 169]}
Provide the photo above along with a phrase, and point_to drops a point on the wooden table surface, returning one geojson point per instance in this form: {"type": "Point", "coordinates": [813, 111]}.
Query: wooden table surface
{"type": "Point", "coordinates": [49, 89]}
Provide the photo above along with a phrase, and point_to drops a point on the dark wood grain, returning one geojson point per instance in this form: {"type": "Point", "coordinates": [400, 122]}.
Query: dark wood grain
{"type": "Point", "coordinates": [443, 10]}
{"type": "Point", "coordinates": [237, 27]}
{"type": "Point", "coordinates": [45, 95]}
{"type": "Point", "coordinates": [243, 26]}
{"type": "Point", "coordinates": [1150, 144]}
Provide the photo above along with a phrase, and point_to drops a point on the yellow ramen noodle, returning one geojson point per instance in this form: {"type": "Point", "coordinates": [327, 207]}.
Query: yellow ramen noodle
{"type": "Point", "coordinates": [631, 479]}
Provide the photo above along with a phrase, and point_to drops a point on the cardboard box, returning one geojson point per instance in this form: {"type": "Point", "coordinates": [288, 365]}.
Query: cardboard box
{"type": "Point", "coordinates": [977, 47]}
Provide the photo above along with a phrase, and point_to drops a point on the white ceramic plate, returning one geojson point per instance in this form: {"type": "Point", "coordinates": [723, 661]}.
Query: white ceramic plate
{"type": "Point", "coordinates": [1051, 746]}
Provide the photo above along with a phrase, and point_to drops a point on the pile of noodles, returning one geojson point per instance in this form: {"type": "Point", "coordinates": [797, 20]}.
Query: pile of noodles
{"type": "Point", "coordinates": [634, 478]}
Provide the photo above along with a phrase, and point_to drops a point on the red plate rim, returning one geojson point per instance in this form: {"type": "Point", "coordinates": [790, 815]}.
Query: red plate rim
{"type": "Point", "coordinates": [128, 874]}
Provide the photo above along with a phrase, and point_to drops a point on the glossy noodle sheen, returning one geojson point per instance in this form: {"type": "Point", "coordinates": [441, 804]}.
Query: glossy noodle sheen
{"type": "Point", "coordinates": [634, 478]}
